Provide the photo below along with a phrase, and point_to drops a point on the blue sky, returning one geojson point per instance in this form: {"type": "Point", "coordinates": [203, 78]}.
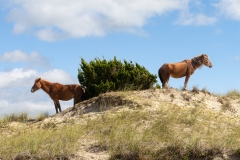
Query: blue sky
{"type": "Point", "coordinates": [48, 38]}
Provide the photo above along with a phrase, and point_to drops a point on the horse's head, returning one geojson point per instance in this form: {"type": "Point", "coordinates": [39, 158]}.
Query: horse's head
{"type": "Point", "coordinates": [206, 61]}
{"type": "Point", "coordinates": [36, 86]}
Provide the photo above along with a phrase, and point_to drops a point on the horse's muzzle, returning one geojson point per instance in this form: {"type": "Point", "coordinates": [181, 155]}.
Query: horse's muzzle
{"type": "Point", "coordinates": [32, 90]}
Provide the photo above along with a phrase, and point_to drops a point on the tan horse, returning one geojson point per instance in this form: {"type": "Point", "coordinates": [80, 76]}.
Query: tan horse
{"type": "Point", "coordinates": [58, 91]}
{"type": "Point", "coordinates": [181, 69]}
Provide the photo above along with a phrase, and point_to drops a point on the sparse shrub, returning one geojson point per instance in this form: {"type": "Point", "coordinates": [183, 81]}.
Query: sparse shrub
{"type": "Point", "coordinates": [100, 76]}
{"type": "Point", "coordinates": [221, 99]}
{"type": "Point", "coordinates": [205, 90]}
{"type": "Point", "coordinates": [2, 123]}
{"type": "Point", "coordinates": [157, 86]}
{"type": "Point", "coordinates": [233, 94]}
{"type": "Point", "coordinates": [186, 97]}
{"type": "Point", "coordinates": [49, 125]}
{"type": "Point", "coordinates": [42, 116]}
{"type": "Point", "coordinates": [227, 106]}
{"type": "Point", "coordinates": [195, 89]}
{"type": "Point", "coordinates": [23, 117]}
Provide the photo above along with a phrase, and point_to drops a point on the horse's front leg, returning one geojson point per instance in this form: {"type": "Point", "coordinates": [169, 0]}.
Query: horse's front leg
{"type": "Point", "coordinates": [186, 82]}
{"type": "Point", "coordinates": [56, 106]}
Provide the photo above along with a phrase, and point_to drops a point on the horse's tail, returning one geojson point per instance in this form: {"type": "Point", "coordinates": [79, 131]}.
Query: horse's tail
{"type": "Point", "coordinates": [160, 75]}
{"type": "Point", "coordinates": [83, 89]}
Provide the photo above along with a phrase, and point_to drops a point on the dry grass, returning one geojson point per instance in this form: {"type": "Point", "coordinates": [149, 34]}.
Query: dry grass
{"type": "Point", "coordinates": [165, 132]}
{"type": "Point", "coordinates": [205, 90]}
{"type": "Point", "coordinates": [171, 133]}
{"type": "Point", "coordinates": [234, 94]}
{"type": "Point", "coordinates": [42, 116]}
{"type": "Point", "coordinates": [46, 143]}
{"type": "Point", "coordinates": [226, 99]}
{"type": "Point", "coordinates": [227, 106]}
{"type": "Point", "coordinates": [23, 117]}
{"type": "Point", "coordinates": [195, 89]}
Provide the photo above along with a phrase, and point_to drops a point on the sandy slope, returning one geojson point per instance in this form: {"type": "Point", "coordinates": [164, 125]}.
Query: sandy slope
{"type": "Point", "coordinates": [147, 100]}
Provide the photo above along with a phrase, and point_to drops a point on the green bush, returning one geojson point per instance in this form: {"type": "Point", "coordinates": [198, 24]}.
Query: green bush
{"type": "Point", "coordinates": [100, 76]}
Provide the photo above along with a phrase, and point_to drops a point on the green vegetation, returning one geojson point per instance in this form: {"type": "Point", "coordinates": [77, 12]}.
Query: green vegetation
{"type": "Point", "coordinates": [101, 76]}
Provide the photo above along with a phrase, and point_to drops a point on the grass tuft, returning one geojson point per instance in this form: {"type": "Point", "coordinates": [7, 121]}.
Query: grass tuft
{"type": "Point", "coordinates": [195, 89]}
{"type": "Point", "coordinates": [42, 116]}
{"type": "Point", "coordinates": [23, 117]}
{"type": "Point", "coordinates": [205, 90]}
{"type": "Point", "coordinates": [234, 94]}
{"type": "Point", "coordinates": [227, 106]}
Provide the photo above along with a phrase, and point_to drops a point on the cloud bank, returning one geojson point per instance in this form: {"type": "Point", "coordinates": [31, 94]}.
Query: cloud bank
{"type": "Point", "coordinates": [229, 8]}
{"type": "Point", "coordinates": [33, 59]}
{"type": "Point", "coordinates": [15, 85]}
{"type": "Point", "coordinates": [52, 20]}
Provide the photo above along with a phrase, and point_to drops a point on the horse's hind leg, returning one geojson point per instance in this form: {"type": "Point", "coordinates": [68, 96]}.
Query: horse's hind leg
{"type": "Point", "coordinates": [78, 96]}
{"type": "Point", "coordinates": [77, 99]}
{"type": "Point", "coordinates": [164, 75]}
{"type": "Point", "coordinates": [59, 107]}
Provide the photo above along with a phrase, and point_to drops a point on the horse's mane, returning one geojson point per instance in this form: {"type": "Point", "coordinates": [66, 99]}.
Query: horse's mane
{"type": "Point", "coordinates": [37, 79]}
{"type": "Point", "coordinates": [197, 61]}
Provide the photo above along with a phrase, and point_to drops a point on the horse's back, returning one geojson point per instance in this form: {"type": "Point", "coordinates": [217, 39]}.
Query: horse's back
{"type": "Point", "coordinates": [175, 70]}
{"type": "Point", "coordinates": [77, 89]}
{"type": "Point", "coordinates": [65, 92]}
{"type": "Point", "coordinates": [173, 66]}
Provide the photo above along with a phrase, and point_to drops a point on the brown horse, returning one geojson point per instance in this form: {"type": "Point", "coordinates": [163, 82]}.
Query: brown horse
{"type": "Point", "coordinates": [58, 91]}
{"type": "Point", "coordinates": [181, 69]}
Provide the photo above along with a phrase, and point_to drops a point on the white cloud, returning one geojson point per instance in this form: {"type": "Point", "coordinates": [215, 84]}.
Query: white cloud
{"type": "Point", "coordinates": [53, 20]}
{"type": "Point", "coordinates": [16, 83]}
{"type": "Point", "coordinates": [19, 77]}
{"type": "Point", "coordinates": [15, 95]}
{"type": "Point", "coordinates": [18, 56]}
{"type": "Point", "coordinates": [195, 14]}
{"type": "Point", "coordinates": [60, 76]}
{"type": "Point", "coordinates": [237, 58]}
{"type": "Point", "coordinates": [218, 31]}
{"type": "Point", "coordinates": [33, 108]}
{"type": "Point", "coordinates": [195, 19]}
{"type": "Point", "coordinates": [34, 58]}
{"type": "Point", "coordinates": [16, 77]}
{"type": "Point", "coordinates": [230, 8]}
